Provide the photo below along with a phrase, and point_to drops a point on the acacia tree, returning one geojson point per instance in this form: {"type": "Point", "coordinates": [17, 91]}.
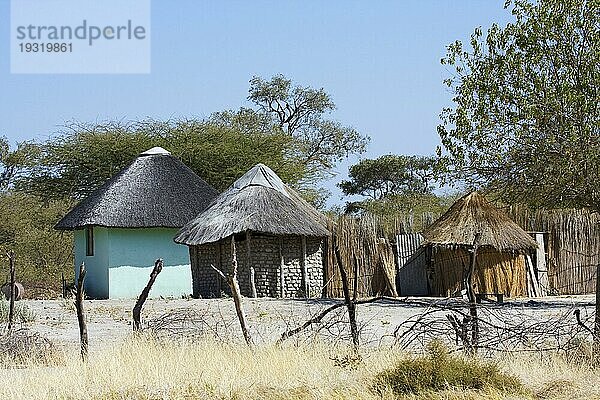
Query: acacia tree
{"type": "Point", "coordinates": [84, 156]}
{"type": "Point", "coordinates": [390, 175]}
{"type": "Point", "coordinates": [393, 184]}
{"type": "Point", "coordinates": [300, 112]}
{"type": "Point", "coordinates": [526, 115]}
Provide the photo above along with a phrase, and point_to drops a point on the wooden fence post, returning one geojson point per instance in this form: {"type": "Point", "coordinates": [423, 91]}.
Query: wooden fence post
{"type": "Point", "coordinates": [83, 335]}
{"type": "Point", "coordinates": [596, 336]}
{"type": "Point", "coordinates": [137, 309]}
{"type": "Point", "coordinates": [471, 296]}
{"type": "Point", "coordinates": [350, 303]}
{"type": "Point", "coordinates": [11, 307]}
{"type": "Point", "coordinates": [235, 292]}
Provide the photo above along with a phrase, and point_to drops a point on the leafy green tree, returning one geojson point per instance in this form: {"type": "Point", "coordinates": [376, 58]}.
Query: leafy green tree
{"type": "Point", "coordinates": [43, 254]}
{"type": "Point", "coordinates": [84, 156]}
{"type": "Point", "coordinates": [300, 112]}
{"type": "Point", "coordinates": [390, 175]}
{"type": "Point", "coordinates": [526, 116]}
{"type": "Point", "coordinates": [526, 119]}
{"type": "Point", "coordinates": [12, 161]}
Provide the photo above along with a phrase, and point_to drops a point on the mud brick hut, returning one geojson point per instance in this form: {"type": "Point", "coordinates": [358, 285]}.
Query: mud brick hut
{"type": "Point", "coordinates": [279, 240]}
{"type": "Point", "coordinates": [501, 259]}
{"type": "Point", "coordinates": [130, 221]}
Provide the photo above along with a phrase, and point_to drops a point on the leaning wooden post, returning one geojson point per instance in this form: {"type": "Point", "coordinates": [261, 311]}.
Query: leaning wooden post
{"type": "Point", "coordinates": [83, 335]}
{"type": "Point", "coordinates": [350, 304]}
{"type": "Point", "coordinates": [235, 292]}
{"type": "Point", "coordinates": [471, 296]}
{"type": "Point", "coordinates": [137, 309]}
{"type": "Point", "coordinates": [596, 336]}
{"type": "Point", "coordinates": [11, 307]}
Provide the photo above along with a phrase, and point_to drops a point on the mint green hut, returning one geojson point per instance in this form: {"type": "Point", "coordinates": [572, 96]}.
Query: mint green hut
{"type": "Point", "coordinates": [130, 221]}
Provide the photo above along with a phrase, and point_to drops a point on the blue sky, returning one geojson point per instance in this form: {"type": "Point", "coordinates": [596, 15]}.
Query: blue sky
{"type": "Point", "coordinates": [379, 60]}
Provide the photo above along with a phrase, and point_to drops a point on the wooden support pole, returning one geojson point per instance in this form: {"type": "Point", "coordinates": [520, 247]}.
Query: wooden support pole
{"type": "Point", "coordinates": [350, 304]}
{"type": "Point", "coordinates": [83, 334]}
{"type": "Point", "coordinates": [303, 270]}
{"type": "Point", "coordinates": [250, 266]}
{"type": "Point", "coordinates": [471, 295]}
{"type": "Point", "coordinates": [137, 309]}
{"type": "Point", "coordinates": [281, 270]}
{"type": "Point", "coordinates": [11, 307]}
{"type": "Point", "coordinates": [220, 266]}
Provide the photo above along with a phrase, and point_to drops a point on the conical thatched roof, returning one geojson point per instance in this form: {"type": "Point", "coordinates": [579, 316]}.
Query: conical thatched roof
{"type": "Point", "coordinates": [156, 190]}
{"type": "Point", "coordinates": [260, 202]}
{"type": "Point", "coordinates": [473, 213]}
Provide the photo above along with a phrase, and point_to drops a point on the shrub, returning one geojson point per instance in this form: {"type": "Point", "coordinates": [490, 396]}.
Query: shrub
{"type": "Point", "coordinates": [438, 370]}
{"type": "Point", "coordinates": [23, 313]}
{"type": "Point", "coordinates": [22, 347]}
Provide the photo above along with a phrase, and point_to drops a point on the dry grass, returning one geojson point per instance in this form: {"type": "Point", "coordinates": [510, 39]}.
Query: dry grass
{"type": "Point", "coordinates": [144, 368]}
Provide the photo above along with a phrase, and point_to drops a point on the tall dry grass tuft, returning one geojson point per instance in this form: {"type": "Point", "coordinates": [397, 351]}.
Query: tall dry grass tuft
{"type": "Point", "coordinates": [143, 367]}
{"type": "Point", "coordinates": [552, 376]}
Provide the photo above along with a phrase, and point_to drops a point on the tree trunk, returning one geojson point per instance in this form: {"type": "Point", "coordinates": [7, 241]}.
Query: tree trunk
{"type": "Point", "coordinates": [83, 335]}
{"type": "Point", "coordinates": [11, 307]}
{"type": "Point", "coordinates": [471, 296]}
{"type": "Point", "coordinates": [137, 309]}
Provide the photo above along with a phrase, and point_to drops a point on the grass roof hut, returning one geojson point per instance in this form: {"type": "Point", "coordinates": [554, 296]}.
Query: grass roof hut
{"type": "Point", "coordinates": [129, 222]}
{"type": "Point", "coordinates": [501, 263]}
{"type": "Point", "coordinates": [279, 239]}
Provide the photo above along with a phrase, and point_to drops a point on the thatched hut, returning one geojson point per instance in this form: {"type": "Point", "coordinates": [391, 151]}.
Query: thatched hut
{"type": "Point", "coordinates": [501, 258]}
{"type": "Point", "coordinates": [129, 222]}
{"type": "Point", "coordinates": [279, 239]}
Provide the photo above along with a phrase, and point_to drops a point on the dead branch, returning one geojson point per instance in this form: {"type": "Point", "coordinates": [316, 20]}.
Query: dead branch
{"type": "Point", "coordinates": [235, 292]}
{"type": "Point", "coordinates": [137, 309]}
{"type": "Point", "coordinates": [577, 314]}
{"type": "Point", "coordinates": [83, 335]}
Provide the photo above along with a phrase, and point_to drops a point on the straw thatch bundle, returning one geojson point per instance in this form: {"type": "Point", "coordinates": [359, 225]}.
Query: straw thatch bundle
{"type": "Point", "coordinates": [156, 190]}
{"type": "Point", "coordinates": [259, 202]}
{"type": "Point", "coordinates": [471, 214]}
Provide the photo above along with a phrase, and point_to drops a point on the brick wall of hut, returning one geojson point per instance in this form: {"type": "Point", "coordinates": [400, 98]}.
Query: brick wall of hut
{"type": "Point", "coordinates": [264, 253]}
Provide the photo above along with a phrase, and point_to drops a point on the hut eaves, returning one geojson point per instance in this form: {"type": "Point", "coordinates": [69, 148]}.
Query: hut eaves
{"type": "Point", "coordinates": [259, 202]}
{"type": "Point", "coordinates": [473, 213]}
{"type": "Point", "coordinates": [155, 190]}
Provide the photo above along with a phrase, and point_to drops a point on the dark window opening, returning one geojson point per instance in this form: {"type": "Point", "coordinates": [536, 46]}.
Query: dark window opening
{"type": "Point", "coordinates": [89, 241]}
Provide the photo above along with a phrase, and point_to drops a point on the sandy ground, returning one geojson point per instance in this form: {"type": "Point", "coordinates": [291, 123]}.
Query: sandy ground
{"type": "Point", "coordinates": [109, 321]}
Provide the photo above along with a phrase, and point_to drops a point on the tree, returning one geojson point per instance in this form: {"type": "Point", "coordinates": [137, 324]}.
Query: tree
{"type": "Point", "coordinates": [526, 119]}
{"type": "Point", "coordinates": [394, 185]}
{"type": "Point", "coordinates": [84, 156]}
{"type": "Point", "coordinates": [390, 175]}
{"type": "Point", "coordinates": [12, 161]}
{"type": "Point", "coordinates": [526, 115]}
{"type": "Point", "coordinates": [299, 111]}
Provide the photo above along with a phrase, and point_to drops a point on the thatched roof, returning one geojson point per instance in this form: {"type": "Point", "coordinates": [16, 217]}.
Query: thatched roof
{"type": "Point", "coordinates": [473, 213]}
{"type": "Point", "coordinates": [156, 190]}
{"type": "Point", "coordinates": [260, 202]}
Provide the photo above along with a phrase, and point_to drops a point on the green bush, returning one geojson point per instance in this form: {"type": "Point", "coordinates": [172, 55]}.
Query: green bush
{"type": "Point", "coordinates": [42, 253]}
{"type": "Point", "coordinates": [23, 313]}
{"type": "Point", "coordinates": [439, 370]}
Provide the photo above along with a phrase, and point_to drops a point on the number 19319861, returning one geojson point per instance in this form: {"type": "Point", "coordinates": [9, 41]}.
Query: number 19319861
{"type": "Point", "coordinates": [46, 47]}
